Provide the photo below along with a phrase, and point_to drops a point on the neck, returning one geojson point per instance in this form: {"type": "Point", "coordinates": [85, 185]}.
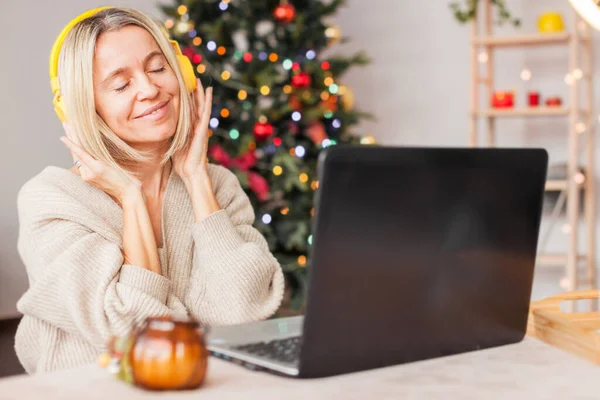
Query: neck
{"type": "Point", "coordinates": [153, 176]}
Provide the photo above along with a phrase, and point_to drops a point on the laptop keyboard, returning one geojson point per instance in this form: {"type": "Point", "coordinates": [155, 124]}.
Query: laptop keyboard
{"type": "Point", "coordinates": [283, 350]}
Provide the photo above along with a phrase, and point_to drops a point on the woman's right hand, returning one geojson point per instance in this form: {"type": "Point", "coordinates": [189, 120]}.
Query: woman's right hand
{"type": "Point", "coordinates": [116, 183]}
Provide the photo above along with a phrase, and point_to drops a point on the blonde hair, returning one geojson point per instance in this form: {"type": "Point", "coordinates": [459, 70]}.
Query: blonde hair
{"type": "Point", "coordinates": [75, 74]}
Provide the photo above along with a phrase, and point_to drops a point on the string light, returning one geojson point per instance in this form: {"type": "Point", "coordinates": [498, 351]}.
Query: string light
{"type": "Point", "coordinates": [242, 94]}
{"type": "Point", "coordinates": [328, 114]}
{"type": "Point", "coordinates": [225, 75]}
{"type": "Point", "coordinates": [287, 64]}
{"type": "Point", "coordinates": [264, 90]}
{"type": "Point", "coordinates": [223, 6]}
{"type": "Point", "coordinates": [569, 80]}
{"type": "Point", "coordinates": [328, 81]}
{"type": "Point", "coordinates": [483, 57]}
{"type": "Point", "coordinates": [181, 9]}
{"type": "Point", "coordinates": [302, 261]}
{"type": "Point", "coordinates": [210, 132]}
{"type": "Point", "coordinates": [182, 27]}
{"type": "Point", "coordinates": [169, 23]}
{"type": "Point", "coordinates": [197, 41]}
{"type": "Point", "coordinates": [234, 134]}
{"type": "Point", "coordinates": [277, 170]}
{"type": "Point", "coordinates": [336, 123]}
{"type": "Point", "coordinates": [201, 68]}
{"type": "Point", "coordinates": [197, 59]}
{"type": "Point", "coordinates": [314, 185]}
{"type": "Point", "coordinates": [211, 46]}
{"type": "Point", "coordinates": [248, 57]}
{"type": "Point", "coordinates": [292, 152]}
{"type": "Point", "coordinates": [221, 50]}
{"type": "Point", "coordinates": [266, 219]}
{"type": "Point", "coordinates": [262, 119]}
{"type": "Point", "coordinates": [300, 151]}
{"type": "Point", "coordinates": [192, 33]}
{"type": "Point", "coordinates": [285, 211]}
{"type": "Point", "coordinates": [324, 96]}
{"type": "Point", "coordinates": [309, 240]}
{"type": "Point", "coordinates": [224, 113]}
{"type": "Point", "coordinates": [311, 54]}
{"type": "Point", "coordinates": [273, 57]}
{"type": "Point", "coordinates": [214, 123]}
{"type": "Point", "coordinates": [303, 177]}
{"type": "Point", "coordinates": [251, 145]}
{"type": "Point", "coordinates": [277, 142]}
{"type": "Point", "coordinates": [326, 143]}
{"type": "Point", "coordinates": [296, 116]}
{"type": "Point", "coordinates": [367, 140]}
{"type": "Point", "coordinates": [325, 65]}
{"type": "Point", "coordinates": [262, 56]}
{"type": "Point", "coordinates": [333, 89]}
{"type": "Point", "coordinates": [287, 89]}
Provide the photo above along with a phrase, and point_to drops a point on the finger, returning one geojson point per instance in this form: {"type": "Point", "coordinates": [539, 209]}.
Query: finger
{"type": "Point", "coordinates": [81, 154]}
{"type": "Point", "coordinates": [69, 133]}
{"type": "Point", "coordinates": [200, 97]}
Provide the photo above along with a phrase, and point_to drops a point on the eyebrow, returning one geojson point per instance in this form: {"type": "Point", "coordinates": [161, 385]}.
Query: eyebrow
{"type": "Point", "coordinates": [119, 71]}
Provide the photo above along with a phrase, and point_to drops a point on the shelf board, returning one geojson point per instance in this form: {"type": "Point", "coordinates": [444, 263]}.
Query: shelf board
{"type": "Point", "coordinates": [525, 112]}
{"type": "Point", "coordinates": [532, 39]}
{"type": "Point", "coordinates": [556, 258]}
{"type": "Point", "coordinates": [554, 185]}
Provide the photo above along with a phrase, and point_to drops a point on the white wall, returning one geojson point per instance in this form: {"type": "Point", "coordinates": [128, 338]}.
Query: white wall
{"type": "Point", "coordinates": [417, 86]}
{"type": "Point", "coordinates": [30, 127]}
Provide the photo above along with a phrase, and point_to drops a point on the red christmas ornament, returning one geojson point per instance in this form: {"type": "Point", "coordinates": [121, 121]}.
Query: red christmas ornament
{"type": "Point", "coordinates": [294, 102]}
{"type": "Point", "coordinates": [301, 80]}
{"type": "Point", "coordinates": [259, 186]}
{"type": "Point", "coordinates": [284, 13]}
{"type": "Point", "coordinates": [262, 131]}
{"type": "Point", "coordinates": [316, 132]}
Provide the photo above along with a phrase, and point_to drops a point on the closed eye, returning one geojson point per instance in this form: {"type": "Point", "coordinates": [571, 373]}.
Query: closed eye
{"type": "Point", "coordinates": [158, 70]}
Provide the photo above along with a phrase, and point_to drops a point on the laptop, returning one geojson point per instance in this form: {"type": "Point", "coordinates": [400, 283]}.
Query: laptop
{"type": "Point", "coordinates": [417, 253]}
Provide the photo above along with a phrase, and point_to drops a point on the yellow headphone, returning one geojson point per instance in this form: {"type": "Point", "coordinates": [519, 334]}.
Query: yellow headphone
{"type": "Point", "coordinates": [187, 70]}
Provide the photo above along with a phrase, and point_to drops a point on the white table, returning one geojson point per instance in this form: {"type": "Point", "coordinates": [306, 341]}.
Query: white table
{"type": "Point", "coordinates": [527, 370]}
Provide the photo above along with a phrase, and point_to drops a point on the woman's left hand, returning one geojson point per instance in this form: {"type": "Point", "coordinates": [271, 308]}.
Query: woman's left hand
{"type": "Point", "coordinates": [190, 163]}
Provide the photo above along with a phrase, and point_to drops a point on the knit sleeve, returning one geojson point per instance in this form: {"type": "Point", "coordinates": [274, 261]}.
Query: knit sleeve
{"type": "Point", "coordinates": [235, 278]}
{"type": "Point", "coordinates": [78, 282]}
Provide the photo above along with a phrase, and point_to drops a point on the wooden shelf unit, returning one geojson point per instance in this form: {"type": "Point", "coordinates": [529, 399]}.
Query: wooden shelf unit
{"type": "Point", "coordinates": [578, 43]}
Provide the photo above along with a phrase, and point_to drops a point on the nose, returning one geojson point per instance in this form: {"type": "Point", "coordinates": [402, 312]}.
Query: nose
{"type": "Point", "coordinates": [146, 88]}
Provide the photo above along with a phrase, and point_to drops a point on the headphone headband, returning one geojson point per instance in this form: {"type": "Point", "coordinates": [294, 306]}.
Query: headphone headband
{"type": "Point", "coordinates": [55, 52]}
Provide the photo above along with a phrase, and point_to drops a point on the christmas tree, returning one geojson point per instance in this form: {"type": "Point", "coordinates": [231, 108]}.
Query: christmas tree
{"type": "Point", "coordinates": [277, 102]}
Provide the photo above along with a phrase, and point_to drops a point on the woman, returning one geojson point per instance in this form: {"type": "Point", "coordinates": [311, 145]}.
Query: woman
{"type": "Point", "coordinates": [141, 225]}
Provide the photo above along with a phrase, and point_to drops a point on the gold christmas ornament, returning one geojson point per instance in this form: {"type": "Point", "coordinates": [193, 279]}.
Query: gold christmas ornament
{"type": "Point", "coordinates": [333, 34]}
{"type": "Point", "coordinates": [347, 98]}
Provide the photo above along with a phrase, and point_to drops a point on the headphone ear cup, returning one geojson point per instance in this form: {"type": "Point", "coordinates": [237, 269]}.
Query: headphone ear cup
{"type": "Point", "coordinates": [187, 70]}
{"type": "Point", "coordinates": [59, 108]}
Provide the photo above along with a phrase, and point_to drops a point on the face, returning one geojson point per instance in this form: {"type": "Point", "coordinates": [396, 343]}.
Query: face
{"type": "Point", "coordinates": [135, 90]}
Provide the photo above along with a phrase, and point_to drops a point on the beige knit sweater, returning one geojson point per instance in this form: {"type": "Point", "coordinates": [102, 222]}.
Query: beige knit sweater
{"type": "Point", "coordinates": [218, 270]}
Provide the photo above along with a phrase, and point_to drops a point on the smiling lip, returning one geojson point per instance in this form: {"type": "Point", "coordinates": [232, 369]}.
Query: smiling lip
{"type": "Point", "coordinates": [152, 109]}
